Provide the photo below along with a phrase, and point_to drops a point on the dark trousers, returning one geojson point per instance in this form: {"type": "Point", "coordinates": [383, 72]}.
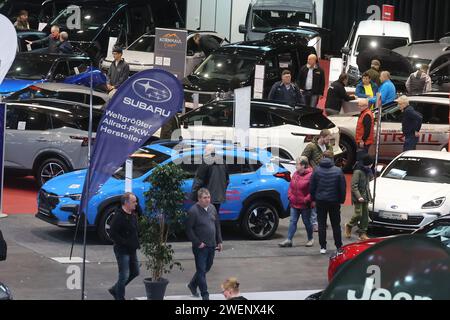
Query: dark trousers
{"type": "Point", "coordinates": [217, 206]}
{"type": "Point", "coordinates": [310, 99]}
{"type": "Point", "coordinates": [410, 143]}
{"type": "Point", "coordinates": [334, 211]}
{"type": "Point", "coordinates": [204, 259]}
{"type": "Point", "coordinates": [128, 270]}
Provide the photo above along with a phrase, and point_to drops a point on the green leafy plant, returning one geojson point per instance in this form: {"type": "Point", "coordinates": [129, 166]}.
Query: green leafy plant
{"type": "Point", "coordinates": [164, 217]}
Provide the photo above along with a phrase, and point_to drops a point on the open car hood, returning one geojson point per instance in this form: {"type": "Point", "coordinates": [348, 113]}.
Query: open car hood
{"type": "Point", "coordinates": [294, 35]}
{"type": "Point", "coordinates": [398, 65]}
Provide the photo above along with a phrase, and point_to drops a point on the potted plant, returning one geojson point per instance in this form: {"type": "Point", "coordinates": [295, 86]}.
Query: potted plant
{"type": "Point", "coordinates": [164, 216]}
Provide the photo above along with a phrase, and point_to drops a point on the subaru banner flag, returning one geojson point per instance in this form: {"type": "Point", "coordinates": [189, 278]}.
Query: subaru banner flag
{"type": "Point", "coordinates": [8, 43]}
{"type": "Point", "coordinates": [141, 105]}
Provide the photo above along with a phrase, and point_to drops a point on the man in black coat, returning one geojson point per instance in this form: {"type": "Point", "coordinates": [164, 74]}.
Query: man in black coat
{"type": "Point", "coordinates": [212, 174]}
{"type": "Point", "coordinates": [337, 95]}
{"type": "Point", "coordinates": [124, 233]}
{"type": "Point", "coordinates": [411, 124]}
{"type": "Point", "coordinates": [312, 81]}
{"type": "Point", "coordinates": [206, 43]}
{"type": "Point", "coordinates": [118, 72]}
{"type": "Point", "coordinates": [285, 91]}
{"type": "Point", "coordinates": [64, 46]}
{"type": "Point", "coordinates": [328, 191]}
{"type": "Point", "coordinates": [52, 40]}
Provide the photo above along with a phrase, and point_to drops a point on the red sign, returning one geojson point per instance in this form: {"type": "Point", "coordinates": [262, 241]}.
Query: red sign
{"type": "Point", "coordinates": [388, 13]}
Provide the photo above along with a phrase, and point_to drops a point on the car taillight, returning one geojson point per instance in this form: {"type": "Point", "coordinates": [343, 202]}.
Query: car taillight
{"type": "Point", "coordinates": [283, 175]}
{"type": "Point", "coordinates": [84, 140]}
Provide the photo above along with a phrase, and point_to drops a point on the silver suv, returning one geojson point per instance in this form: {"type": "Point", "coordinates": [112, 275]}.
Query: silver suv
{"type": "Point", "coordinates": [46, 138]}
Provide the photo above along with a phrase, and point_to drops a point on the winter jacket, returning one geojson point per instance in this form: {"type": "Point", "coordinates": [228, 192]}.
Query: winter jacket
{"type": "Point", "coordinates": [208, 44]}
{"type": "Point", "coordinates": [387, 91]}
{"type": "Point", "coordinates": [374, 76]}
{"type": "Point", "coordinates": [298, 193]}
{"type": "Point", "coordinates": [411, 122]}
{"type": "Point", "coordinates": [360, 92]}
{"type": "Point", "coordinates": [313, 152]}
{"type": "Point", "coordinates": [124, 231]}
{"type": "Point", "coordinates": [118, 74]}
{"type": "Point", "coordinates": [203, 226]}
{"type": "Point", "coordinates": [360, 184]}
{"type": "Point", "coordinates": [212, 176]}
{"type": "Point", "coordinates": [418, 82]}
{"type": "Point", "coordinates": [278, 92]}
{"type": "Point", "coordinates": [318, 85]}
{"type": "Point", "coordinates": [65, 47]}
{"type": "Point", "coordinates": [51, 42]}
{"type": "Point", "coordinates": [328, 183]}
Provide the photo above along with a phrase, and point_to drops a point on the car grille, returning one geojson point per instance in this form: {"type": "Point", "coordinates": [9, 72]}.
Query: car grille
{"type": "Point", "coordinates": [47, 201]}
{"type": "Point", "coordinates": [412, 220]}
{"type": "Point", "coordinates": [202, 99]}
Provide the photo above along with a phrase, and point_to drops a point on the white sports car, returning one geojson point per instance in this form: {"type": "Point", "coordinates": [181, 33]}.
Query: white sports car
{"type": "Point", "coordinates": [434, 132]}
{"type": "Point", "coordinates": [412, 191]}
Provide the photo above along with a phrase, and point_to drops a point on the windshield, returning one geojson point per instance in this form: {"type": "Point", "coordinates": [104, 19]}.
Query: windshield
{"type": "Point", "coordinates": [227, 67]}
{"type": "Point", "coordinates": [419, 170]}
{"type": "Point", "coordinates": [92, 17]}
{"type": "Point", "coordinates": [143, 161]}
{"type": "Point", "coordinates": [144, 44]}
{"type": "Point", "coordinates": [29, 69]}
{"type": "Point", "coordinates": [374, 42]}
{"type": "Point", "coordinates": [266, 20]}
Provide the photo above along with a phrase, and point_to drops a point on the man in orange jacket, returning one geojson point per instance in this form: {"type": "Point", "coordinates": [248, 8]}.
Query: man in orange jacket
{"type": "Point", "coordinates": [364, 129]}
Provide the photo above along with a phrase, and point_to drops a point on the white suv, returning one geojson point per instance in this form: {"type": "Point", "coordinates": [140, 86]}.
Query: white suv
{"type": "Point", "coordinates": [276, 127]}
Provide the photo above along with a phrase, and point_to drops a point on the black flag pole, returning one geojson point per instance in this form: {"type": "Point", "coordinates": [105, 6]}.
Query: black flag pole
{"type": "Point", "coordinates": [377, 150]}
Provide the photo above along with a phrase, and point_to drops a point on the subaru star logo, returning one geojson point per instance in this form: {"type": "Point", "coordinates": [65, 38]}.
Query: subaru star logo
{"type": "Point", "coordinates": [152, 90]}
{"type": "Point", "coordinates": [394, 207]}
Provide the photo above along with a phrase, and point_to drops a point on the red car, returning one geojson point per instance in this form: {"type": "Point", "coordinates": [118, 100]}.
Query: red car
{"type": "Point", "coordinates": [438, 228]}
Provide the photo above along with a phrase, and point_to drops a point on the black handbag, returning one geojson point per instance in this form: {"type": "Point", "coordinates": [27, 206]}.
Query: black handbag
{"type": "Point", "coordinates": [3, 248]}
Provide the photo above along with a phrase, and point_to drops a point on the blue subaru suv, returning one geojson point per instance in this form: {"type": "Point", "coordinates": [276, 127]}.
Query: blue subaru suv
{"type": "Point", "coordinates": [256, 196]}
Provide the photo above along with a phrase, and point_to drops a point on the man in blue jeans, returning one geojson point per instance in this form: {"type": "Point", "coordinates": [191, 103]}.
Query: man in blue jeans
{"type": "Point", "coordinates": [124, 233]}
{"type": "Point", "coordinates": [203, 230]}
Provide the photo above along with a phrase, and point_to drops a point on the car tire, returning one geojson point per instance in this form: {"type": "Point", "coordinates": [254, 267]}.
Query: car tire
{"type": "Point", "coordinates": [50, 168]}
{"type": "Point", "coordinates": [104, 223]}
{"type": "Point", "coordinates": [347, 158]}
{"type": "Point", "coordinates": [260, 220]}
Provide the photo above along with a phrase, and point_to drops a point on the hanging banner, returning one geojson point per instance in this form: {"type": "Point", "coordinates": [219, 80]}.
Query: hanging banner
{"type": "Point", "coordinates": [142, 105]}
{"type": "Point", "coordinates": [8, 43]}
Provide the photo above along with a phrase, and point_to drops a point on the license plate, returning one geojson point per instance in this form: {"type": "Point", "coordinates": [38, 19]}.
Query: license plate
{"type": "Point", "coordinates": [394, 215]}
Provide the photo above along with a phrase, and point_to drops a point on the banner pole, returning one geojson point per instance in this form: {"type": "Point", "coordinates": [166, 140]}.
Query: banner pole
{"type": "Point", "coordinates": [3, 215]}
{"type": "Point", "coordinates": [377, 150]}
{"type": "Point", "coordinates": [83, 287]}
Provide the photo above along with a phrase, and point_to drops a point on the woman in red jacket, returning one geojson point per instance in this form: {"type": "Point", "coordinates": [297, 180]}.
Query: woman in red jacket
{"type": "Point", "coordinates": [300, 202]}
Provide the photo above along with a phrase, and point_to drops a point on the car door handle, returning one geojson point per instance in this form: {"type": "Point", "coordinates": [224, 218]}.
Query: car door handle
{"type": "Point", "coordinates": [247, 181]}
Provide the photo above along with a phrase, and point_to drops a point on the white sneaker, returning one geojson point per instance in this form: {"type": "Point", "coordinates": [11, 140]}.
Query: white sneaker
{"type": "Point", "coordinates": [310, 243]}
{"type": "Point", "coordinates": [323, 251]}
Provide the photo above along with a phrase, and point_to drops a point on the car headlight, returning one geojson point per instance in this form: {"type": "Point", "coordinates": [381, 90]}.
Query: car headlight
{"type": "Point", "coordinates": [76, 197]}
{"type": "Point", "coordinates": [436, 203]}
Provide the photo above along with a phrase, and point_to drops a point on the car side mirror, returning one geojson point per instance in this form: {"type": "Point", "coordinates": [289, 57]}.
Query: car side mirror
{"type": "Point", "coordinates": [242, 28]}
{"type": "Point", "coordinates": [345, 50]}
{"type": "Point", "coordinates": [379, 169]}
{"type": "Point", "coordinates": [59, 77]}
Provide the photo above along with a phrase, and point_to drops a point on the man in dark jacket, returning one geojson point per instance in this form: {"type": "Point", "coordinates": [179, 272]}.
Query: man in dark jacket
{"type": "Point", "coordinates": [328, 190]}
{"type": "Point", "coordinates": [337, 95]}
{"type": "Point", "coordinates": [212, 174]}
{"type": "Point", "coordinates": [64, 44]}
{"type": "Point", "coordinates": [118, 72]}
{"type": "Point", "coordinates": [203, 230]}
{"type": "Point", "coordinates": [206, 43]}
{"type": "Point", "coordinates": [124, 233]}
{"type": "Point", "coordinates": [52, 40]}
{"type": "Point", "coordinates": [285, 91]}
{"type": "Point", "coordinates": [312, 81]}
{"type": "Point", "coordinates": [411, 124]}
{"type": "Point", "coordinates": [374, 72]}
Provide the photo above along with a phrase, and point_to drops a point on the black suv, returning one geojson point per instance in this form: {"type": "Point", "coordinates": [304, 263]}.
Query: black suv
{"type": "Point", "coordinates": [125, 20]}
{"type": "Point", "coordinates": [235, 63]}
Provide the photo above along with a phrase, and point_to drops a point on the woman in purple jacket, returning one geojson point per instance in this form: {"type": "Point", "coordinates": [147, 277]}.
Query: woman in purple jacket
{"type": "Point", "coordinates": [300, 202]}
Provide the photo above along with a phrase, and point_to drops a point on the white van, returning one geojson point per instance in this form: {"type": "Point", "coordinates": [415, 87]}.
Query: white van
{"type": "Point", "coordinates": [372, 34]}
